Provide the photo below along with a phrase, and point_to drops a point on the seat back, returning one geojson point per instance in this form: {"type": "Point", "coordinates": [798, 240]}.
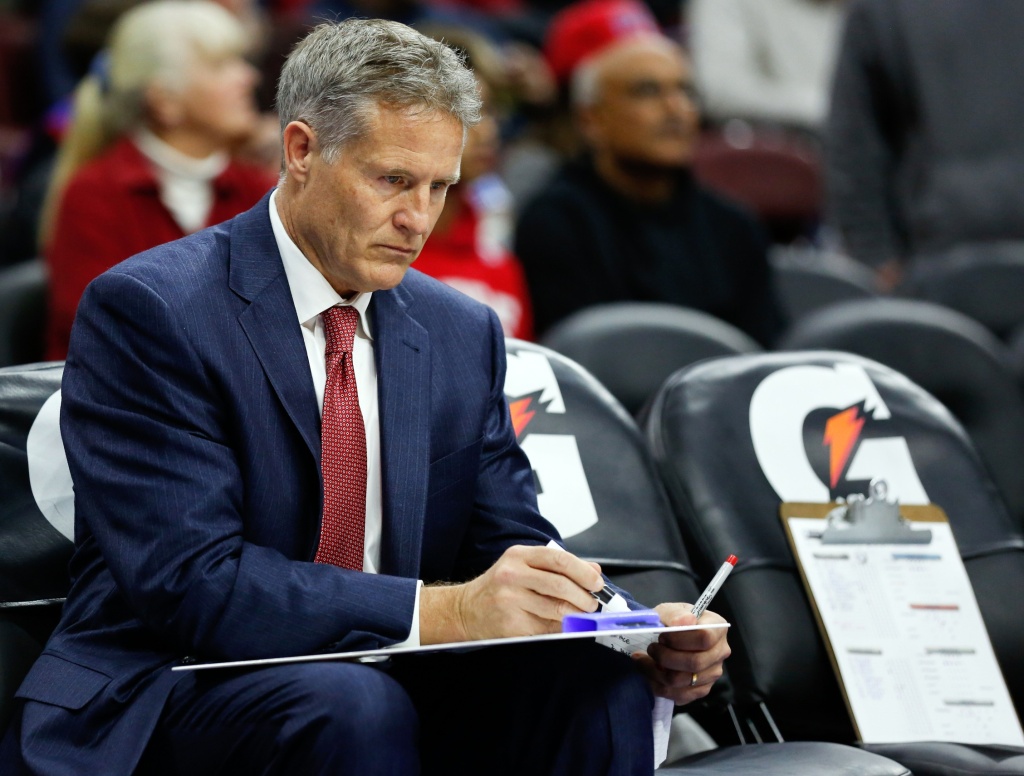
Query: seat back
{"type": "Point", "coordinates": [983, 281]}
{"type": "Point", "coordinates": [596, 481]}
{"type": "Point", "coordinates": [951, 356]}
{"type": "Point", "coordinates": [36, 519]}
{"type": "Point", "coordinates": [776, 175]}
{"type": "Point", "coordinates": [807, 279]}
{"type": "Point", "coordinates": [22, 312]}
{"type": "Point", "coordinates": [736, 436]}
{"type": "Point", "coordinates": [632, 347]}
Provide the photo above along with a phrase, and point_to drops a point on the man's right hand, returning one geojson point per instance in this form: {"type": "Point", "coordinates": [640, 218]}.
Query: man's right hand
{"type": "Point", "coordinates": [526, 592]}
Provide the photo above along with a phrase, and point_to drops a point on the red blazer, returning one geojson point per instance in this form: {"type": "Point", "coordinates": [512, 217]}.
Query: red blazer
{"type": "Point", "coordinates": [492, 276]}
{"type": "Point", "coordinates": [111, 210]}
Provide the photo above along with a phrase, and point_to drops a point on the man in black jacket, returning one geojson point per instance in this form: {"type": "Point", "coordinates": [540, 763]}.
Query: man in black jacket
{"type": "Point", "coordinates": [628, 222]}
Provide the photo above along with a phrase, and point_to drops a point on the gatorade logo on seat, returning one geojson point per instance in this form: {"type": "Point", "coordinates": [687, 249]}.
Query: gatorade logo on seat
{"type": "Point", "coordinates": [563, 493]}
{"type": "Point", "coordinates": [820, 432]}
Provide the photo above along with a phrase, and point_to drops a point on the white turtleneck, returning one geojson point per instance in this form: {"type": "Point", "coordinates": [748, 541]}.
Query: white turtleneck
{"type": "Point", "coordinates": [185, 183]}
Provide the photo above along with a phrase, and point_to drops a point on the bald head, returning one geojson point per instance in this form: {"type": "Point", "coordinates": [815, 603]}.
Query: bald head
{"type": "Point", "coordinates": [635, 103]}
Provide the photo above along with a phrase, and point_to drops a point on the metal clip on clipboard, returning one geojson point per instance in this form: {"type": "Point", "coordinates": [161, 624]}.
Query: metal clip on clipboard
{"type": "Point", "coordinates": [871, 520]}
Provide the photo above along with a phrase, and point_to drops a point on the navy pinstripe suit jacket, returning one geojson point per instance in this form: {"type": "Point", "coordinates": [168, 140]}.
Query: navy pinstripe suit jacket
{"type": "Point", "coordinates": [193, 437]}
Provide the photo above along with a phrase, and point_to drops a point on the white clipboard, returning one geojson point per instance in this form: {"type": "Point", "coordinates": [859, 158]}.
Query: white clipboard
{"type": "Point", "coordinates": [903, 630]}
{"type": "Point", "coordinates": [373, 655]}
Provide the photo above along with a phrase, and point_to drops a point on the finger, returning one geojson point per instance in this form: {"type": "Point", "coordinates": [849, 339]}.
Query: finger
{"type": "Point", "coordinates": [676, 613]}
{"type": "Point", "coordinates": [701, 640]}
{"type": "Point", "coordinates": [550, 610]}
{"type": "Point", "coordinates": [675, 687]}
{"type": "Point", "coordinates": [689, 662]}
{"type": "Point", "coordinates": [559, 561]}
{"type": "Point", "coordinates": [514, 572]}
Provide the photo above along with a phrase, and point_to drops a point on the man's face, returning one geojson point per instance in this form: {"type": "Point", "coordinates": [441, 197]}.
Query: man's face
{"type": "Point", "coordinates": [363, 219]}
{"type": "Point", "coordinates": [645, 111]}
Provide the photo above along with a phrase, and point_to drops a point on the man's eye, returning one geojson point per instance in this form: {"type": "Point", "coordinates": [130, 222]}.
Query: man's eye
{"type": "Point", "coordinates": [438, 186]}
{"type": "Point", "coordinates": [393, 179]}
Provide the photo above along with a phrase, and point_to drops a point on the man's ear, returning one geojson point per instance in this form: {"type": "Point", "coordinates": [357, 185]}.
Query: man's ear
{"type": "Point", "coordinates": [300, 146]}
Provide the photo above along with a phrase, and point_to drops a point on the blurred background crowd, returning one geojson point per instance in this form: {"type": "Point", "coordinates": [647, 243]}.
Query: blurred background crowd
{"type": "Point", "coordinates": [753, 160]}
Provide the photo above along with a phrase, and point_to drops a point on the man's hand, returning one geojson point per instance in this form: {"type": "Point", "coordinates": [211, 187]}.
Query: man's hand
{"type": "Point", "coordinates": [526, 592]}
{"type": "Point", "coordinates": [671, 662]}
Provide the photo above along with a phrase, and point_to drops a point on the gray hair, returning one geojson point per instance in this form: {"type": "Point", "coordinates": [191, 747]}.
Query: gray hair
{"type": "Point", "coordinates": [337, 75]}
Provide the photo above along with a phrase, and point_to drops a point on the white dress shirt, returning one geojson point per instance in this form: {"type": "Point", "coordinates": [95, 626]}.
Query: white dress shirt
{"type": "Point", "coordinates": [311, 295]}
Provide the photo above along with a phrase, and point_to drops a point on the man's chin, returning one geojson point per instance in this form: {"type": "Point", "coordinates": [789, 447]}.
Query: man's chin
{"type": "Point", "coordinates": [389, 277]}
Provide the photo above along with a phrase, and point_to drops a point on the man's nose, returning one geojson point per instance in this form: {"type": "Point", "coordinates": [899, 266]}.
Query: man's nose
{"type": "Point", "coordinates": [414, 216]}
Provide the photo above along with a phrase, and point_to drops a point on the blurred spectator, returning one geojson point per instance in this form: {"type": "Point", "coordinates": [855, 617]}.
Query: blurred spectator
{"type": "Point", "coordinates": [628, 222]}
{"type": "Point", "coordinates": [765, 60]}
{"type": "Point", "coordinates": [469, 248]}
{"type": "Point", "coordinates": [925, 142]}
{"type": "Point", "coordinates": [70, 35]}
{"type": "Point", "coordinates": [146, 159]}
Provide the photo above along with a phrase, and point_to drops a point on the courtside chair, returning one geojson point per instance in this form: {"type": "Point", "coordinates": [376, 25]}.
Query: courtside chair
{"type": "Point", "coordinates": [632, 347]}
{"type": "Point", "coordinates": [598, 485]}
{"type": "Point", "coordinates": [807, 279]}
{"type": "Point", "coordinates": [35, 522]}
{"type": "Point", "coordinates": [952, 356]}
{"type": "Point", "coordinates": [984, 281]}
{"type": "Point", "coordinates": [731, 451]}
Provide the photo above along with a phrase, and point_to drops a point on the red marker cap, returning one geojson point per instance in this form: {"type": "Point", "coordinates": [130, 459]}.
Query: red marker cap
{"type": "Point", "coordinates": [731, 560]}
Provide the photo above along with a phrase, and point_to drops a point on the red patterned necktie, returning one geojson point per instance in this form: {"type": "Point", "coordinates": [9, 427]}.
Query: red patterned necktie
{"type": "Point", "coordinates": [343, 448]}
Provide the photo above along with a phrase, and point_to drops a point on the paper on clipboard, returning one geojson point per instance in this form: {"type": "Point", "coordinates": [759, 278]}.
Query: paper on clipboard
{"type": "Point", "coordinates": [457, 646]}
{"type": "Point", "coordinates": [904, 633]}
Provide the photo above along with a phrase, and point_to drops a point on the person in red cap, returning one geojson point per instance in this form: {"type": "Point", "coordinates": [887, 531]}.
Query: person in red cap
{"type": "Point", "coordinates": [585, 28]}
{"type": "Point", "coordinates": [628, 221]}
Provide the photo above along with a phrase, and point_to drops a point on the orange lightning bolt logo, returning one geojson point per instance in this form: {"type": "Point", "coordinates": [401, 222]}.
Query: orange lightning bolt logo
{"type": "Point", "coordinates": [841, 434]}
{"type": "Point", "coordinates": [521, 414]}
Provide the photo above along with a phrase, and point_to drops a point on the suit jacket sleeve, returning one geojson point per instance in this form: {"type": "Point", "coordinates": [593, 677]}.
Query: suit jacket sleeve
{"type": "Point", "coordinates": [159, 492]}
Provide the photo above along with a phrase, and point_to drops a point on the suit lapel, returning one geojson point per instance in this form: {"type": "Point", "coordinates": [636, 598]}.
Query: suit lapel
{"type": "Point", "coordinates": [402, 353]}
{"type": "Point", "coordinates": [257, 275]}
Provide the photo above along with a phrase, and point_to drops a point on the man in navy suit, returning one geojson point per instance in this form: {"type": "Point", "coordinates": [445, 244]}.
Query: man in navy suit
{"type": "Point", "coordinates": [192, 403]}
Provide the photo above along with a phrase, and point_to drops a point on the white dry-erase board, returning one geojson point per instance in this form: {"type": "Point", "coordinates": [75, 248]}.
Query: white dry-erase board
{"type": "Point", "coordinates": [904, 633]}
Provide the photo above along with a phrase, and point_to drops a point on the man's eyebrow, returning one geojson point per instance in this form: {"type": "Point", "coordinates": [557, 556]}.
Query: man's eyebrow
{"type": "Point", "coordinates": [404, 173]}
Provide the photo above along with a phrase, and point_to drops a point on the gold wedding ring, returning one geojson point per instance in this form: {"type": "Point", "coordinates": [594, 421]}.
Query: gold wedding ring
{"type": "Point", "coordinates": [693, 680]}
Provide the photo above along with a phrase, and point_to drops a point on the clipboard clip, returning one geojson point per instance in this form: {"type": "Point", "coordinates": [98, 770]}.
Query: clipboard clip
{"type": "Point", "coordinates": [871, 520]}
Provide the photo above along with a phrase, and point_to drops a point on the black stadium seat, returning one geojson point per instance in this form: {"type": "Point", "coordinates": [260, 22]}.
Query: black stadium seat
{"type": "Point", "coordinates": [631, 347]}
{"type": "Point", "coordinates": [984, 281]}
{"type": "Point", "coordinates": [807, 279]}
{"type": "Point", "coordinates": [598, 485]}
{"type": "Point", "coordinates": [736, 436]}
{"type": "Point", "coordinates": [951, 356]}
{"type": "Point", "coordinates": [35, 545]}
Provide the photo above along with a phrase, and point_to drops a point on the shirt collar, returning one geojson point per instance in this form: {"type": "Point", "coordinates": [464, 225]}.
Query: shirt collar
{"type": "Point", "coordinates": [311, 293]}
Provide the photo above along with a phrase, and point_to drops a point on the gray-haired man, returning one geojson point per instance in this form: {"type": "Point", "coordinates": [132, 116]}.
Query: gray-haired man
{"type": "Point", "coordinates": [285, 443]}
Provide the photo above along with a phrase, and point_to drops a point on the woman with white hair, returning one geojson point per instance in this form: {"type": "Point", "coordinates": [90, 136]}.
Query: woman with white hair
{"type": "Point", "coordinates": [147, 158]}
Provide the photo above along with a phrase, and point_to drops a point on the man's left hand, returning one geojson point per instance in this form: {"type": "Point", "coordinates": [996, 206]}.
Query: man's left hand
{"type": "Point", "coordinates": [672, 663]}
